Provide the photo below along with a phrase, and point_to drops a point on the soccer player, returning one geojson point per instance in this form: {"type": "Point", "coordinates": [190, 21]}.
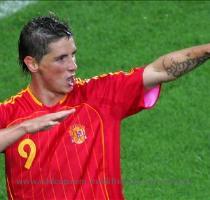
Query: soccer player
{"type": "Point", "coordinates": [80, 157]}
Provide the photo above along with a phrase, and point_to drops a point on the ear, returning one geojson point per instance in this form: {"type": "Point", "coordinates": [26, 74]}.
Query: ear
{"type": "Point", "coordinates": [31, 64]}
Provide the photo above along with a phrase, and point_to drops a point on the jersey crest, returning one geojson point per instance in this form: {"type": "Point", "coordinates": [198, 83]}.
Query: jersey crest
{"type": "Point", "coordinates": [77, 133]}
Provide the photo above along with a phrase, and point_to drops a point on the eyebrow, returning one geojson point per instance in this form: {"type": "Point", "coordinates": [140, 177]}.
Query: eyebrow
{"type": "Point", "coordinates": [62, 55]}
{"type": "Point", "coordinates": [74, 52]}
{"type": "Point", "coordinates": [65, 55]}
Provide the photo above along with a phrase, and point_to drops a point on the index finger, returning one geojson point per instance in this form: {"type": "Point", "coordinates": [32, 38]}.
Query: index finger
{"type": "Point", "coordinates": [62, 114]}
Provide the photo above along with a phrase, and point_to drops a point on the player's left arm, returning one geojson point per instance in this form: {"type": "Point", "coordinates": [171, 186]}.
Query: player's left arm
{"type": "Point", "coordinates": [173, 65]}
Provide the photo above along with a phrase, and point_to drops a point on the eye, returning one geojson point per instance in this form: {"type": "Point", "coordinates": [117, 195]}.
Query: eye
{"type": "Point", "coordinates": [74, 54]}
{"type": "Point", "coordinates": [61, 58]}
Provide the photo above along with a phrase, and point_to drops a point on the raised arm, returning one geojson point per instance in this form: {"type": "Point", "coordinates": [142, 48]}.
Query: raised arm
{"type": "Point", "coordinates": [13, 133]}
{"type": "Point", "coordinates": [173, 65]}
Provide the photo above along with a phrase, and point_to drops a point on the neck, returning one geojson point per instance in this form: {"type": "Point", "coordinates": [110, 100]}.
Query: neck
{"type": "Point", "coordinates": [44, 95]}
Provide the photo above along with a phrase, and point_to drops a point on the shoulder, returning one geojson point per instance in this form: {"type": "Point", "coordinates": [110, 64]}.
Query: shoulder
{"type": "Point", "coordinates": [9, 107]}
{"type": "Point", "coordinates": [15, 98]}
{"type": "Point", "coordinates": [109, 76]}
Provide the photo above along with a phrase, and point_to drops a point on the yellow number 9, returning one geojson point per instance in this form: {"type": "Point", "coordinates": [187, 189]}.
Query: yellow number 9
{"type": "Point", "coordinates": [29, 156]}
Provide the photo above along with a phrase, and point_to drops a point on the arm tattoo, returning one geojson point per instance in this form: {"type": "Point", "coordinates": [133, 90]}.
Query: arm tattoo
{"type": "Point", "coordinates": [177, 68]}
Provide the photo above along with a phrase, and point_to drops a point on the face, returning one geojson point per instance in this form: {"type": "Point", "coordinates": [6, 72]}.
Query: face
{"type": "Point", "coordinates": [56, 70]}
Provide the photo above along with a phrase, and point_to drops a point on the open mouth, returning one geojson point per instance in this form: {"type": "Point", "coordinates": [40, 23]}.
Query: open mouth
{"type": "Point", "coordinates": [71, 80]}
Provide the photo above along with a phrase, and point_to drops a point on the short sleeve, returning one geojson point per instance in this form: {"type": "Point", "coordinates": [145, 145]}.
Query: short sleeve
{"type": "Point", "coordinates": [123, 92]}
{"type": "Point", "coordinates": [2, 116]}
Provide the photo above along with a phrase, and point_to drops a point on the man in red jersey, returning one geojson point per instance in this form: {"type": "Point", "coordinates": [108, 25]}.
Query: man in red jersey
{"type": "Point", "coordinates": [80, 157]}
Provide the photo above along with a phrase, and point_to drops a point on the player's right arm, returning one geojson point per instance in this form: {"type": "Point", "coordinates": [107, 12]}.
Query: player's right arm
{"type": "Point", "coordinates": [13, 133]}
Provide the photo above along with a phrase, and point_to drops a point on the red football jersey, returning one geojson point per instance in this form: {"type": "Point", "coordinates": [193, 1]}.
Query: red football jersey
{"type": "Point", "coordinates": [80, 157]}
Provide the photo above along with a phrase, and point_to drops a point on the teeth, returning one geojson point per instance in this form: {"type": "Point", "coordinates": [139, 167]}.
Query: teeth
{"type": "Point", "coordinates": [70, 81]}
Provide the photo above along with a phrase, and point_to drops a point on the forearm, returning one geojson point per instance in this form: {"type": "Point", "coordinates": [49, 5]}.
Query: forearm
{"type": "Point", "coordinates": [10, 135]}
{"type": "Point", "coordinates": [175, 64]}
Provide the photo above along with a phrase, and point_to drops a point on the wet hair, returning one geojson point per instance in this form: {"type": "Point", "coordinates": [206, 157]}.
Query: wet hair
{"type": "Point", "coordinates": [36, 36]}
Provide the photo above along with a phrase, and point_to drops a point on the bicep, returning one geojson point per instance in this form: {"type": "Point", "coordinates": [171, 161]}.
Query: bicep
{"type": "Point", "coordinates": [154, 74]}
{"type": "Point", "coordinates": [166, 68]}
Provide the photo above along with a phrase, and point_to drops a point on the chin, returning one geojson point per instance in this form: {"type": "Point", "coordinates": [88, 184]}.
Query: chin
{"type": "Point", "coordinates": [65, 90]}
{"type": "Point", "coordinates": [69, 89]}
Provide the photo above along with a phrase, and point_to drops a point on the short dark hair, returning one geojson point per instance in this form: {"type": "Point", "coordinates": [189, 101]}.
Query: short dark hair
{"type": "Point", "coordinates": [36, 36]}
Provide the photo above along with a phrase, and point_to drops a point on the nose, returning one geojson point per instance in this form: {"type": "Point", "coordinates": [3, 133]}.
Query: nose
{"type": "Point", "coordinates": [72, 66]}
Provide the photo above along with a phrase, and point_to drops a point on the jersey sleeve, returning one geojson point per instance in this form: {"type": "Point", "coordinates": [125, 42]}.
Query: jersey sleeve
{"type": "Point", "coordinates": [123, 92]}
{"type": "Point", "coordinates": [2, 116]}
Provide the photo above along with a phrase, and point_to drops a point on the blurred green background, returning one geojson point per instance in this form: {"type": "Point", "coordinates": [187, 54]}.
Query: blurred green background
{"type": "Point", "coordinates": [165, 152]}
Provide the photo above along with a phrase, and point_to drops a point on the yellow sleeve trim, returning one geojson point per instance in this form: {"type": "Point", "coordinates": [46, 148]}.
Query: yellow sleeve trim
{"type": "Point", "coordinates": [79, 81]}
{"type": "Point", "coordinates": [12, 99]}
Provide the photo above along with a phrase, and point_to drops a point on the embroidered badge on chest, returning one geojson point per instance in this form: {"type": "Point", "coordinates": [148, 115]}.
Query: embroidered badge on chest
{"type": "Point", "coordinates": [77, 133]}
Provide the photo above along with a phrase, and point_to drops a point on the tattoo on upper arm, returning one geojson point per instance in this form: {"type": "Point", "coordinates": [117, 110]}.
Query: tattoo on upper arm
{"type": "Point", "coordinates": [176, 68]}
